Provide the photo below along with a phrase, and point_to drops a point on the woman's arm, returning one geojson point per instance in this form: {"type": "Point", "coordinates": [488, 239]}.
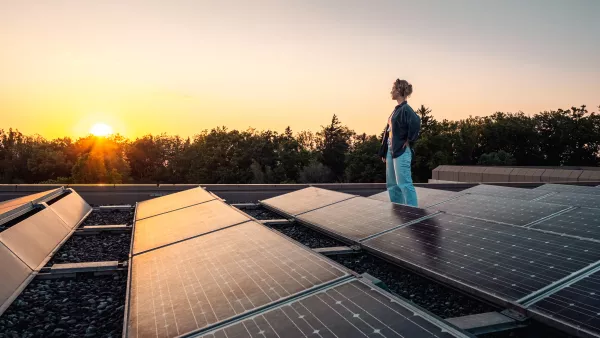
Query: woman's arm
{"type": "Point", "coordinates": [414, 124]}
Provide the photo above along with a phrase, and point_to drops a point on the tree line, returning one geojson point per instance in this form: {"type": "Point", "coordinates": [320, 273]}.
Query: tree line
{"type": "Point", "coordinates": [333, 154]}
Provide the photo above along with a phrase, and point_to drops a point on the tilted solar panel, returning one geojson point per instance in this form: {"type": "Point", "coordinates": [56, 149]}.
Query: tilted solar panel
{"type": "Point", "coordinates": [202, 281]}
{"type": "Point", "coordinates": [7, 206]}
{"type": "Point", "coordinates": [179, 200]}
{"type": "Point", "coordinates": [352, 309]}
{"type": "Point", "coordinates": [304, 200]}
{"type": "Point", "coordinates": [426, 197]}
{"type": "Point", "coordinates": [72, 209]}
{"type": "Point", "coordinates": [580, 189]}
{"type": "Point", "coordinates": [576, 305]}
{"type": "Point", "coordinates": [573, 199]}
{"type": "Point", "coordinates": [581, 222]}
{"type": "Point", "coordinates": [502, 210]}
{"type": "Point", "coordinates": [14, 273]}
{"type": "Point", "coordinates": [506, 192]}
{"type": "Point", "coordinates": [153, 232]}
{"type": "Point", "coordinates": [34, 238]}
{"type": "Point", "coordinates": [506, 262]}
{"type": "Point", "coordinates": [360, 217]}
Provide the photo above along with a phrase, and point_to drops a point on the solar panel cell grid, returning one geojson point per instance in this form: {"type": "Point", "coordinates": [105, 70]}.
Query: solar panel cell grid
{"type": "Point", "coordinates": [569, 188]}
{"type": "Point", "coordinates": [172, 202]}
{"type": "Point", "coordinates": [202, 281]}
{"type": "Point", "coordinates": [304, 200]}
{"type": "Point", "coordinates": [178, 225]}
{"type": "Point", "coordinates": [502, 210]}
{"type": "Point", "coordinates": [506, 192]}
{"type": "Point", "coordinates": [577, 304]}
{"type": "Point", "coordinates": [505, 261]}
{"type": "Point", "coordinates": [581, 222]}
{"type": "Point", "coordinates": [426, 197]}
{"type": "Point", "coordinates": [361, 217]}
{"type": "Point", "coordinates": [573, 199]}
{"type": "Point", "coordinates": [353, 309]}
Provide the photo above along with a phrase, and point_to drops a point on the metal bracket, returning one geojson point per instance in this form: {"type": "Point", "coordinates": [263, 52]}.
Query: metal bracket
{"type": "Point", "coordinates": [277, 222]}
{"type": "Point", "coordinates": [337, 250]}
{"type": "Point", "coordinates": [488, 322]}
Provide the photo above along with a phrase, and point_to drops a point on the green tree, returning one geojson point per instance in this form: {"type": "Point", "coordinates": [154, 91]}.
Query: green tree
{"type": "Point", "coordinates": [332, 144]}
{"type": "Point", "coordinates": [500, 158]}
{"type": "Point", "coordinates": [363, 164]}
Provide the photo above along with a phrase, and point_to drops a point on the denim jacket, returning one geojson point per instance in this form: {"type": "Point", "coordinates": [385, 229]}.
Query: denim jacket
{"type": "Point", "coordinates": [406, 125]}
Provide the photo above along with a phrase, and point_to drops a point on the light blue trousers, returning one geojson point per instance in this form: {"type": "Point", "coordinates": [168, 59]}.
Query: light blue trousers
{"type": "Point", "coordinates": [398, 179]}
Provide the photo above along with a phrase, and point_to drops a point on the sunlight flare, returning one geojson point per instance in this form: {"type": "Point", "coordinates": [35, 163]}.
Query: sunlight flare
{"type": "Point", "coordinates": [101, 129]}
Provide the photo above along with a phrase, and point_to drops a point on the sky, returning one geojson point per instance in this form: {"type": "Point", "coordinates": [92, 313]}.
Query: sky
{"type": "Point", "coordinates": [182, 66]}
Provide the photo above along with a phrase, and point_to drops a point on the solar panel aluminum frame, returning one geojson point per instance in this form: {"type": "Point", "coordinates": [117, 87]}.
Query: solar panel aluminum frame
{"type": "Point", "coordinates": [561, 325]}
{"type": "Point", "coordinates": [129, 274]}
{"type": "Point", "coordinates": [562, 284]}
{"type": "Point", "coordinates": [17, 292]}
{"type": "Point", "coordinates": [290, 216]}
{"type": "Point", "coordinates": [195, 236]}
{"type": "Point", "coordinates": [59, 244]}
{"type": "Point", "coordinates": [417, 310]}
{"type": "Point", "coordinates": [35, 272]}
{"type": "Point", "coordinates": [215, 197]}
{"type": "Point", "coordinates": [352, 242]}
{"type": "Point", "coordinates": [265, 308]}
{"type": "Point", "coordinates": [25, 208]}
{"type": "Point", "coordinates": [456, 284]}
{"type": "Point", "coordinates": [349, 275]}
{"type": "Point", "coordinates": [64, 240]}
{"type": "Point", "coordinates": [457, 195]}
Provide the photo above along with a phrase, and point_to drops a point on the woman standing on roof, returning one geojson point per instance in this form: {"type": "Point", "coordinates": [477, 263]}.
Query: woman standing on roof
{"type": "Point", "coordinates": [396, 149]}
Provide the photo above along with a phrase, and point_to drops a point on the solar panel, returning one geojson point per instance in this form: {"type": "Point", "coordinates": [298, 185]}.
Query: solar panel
{"type": "Point", "coordinates": [34, 238]}
{"type": "Point", "coordinates": [505, 262]}
{"type": "Point", "coordinates": [577, 305]}
{"type": "Point", "coordinates": [580, 189]}
{"type": "Point", "coordinates": [72, 209]}
{"type": "Point", "coordinates": [187, 286]}
{"type": "Point", "coordinates": [426, 197]}
{"type": "Point", "coordinates": [503, 210]}
{"type": "Point", "coordinates": [7, 206]}
{"type": "Point", "coordinates": [172, 202]}
{"type": "Point", "coordinates": [304, 200]}
{"type": "Point", "coordinates": [153, 232]}
{"type": "Point", "coordinates": [14, 273]}
{"type": "Point", "coordinates": [581, 222]}
{"type": "Point", "coordinates": [573, 199]}
{"type": "Point", "coordinates": [352, 309]}
{"type": "Point", "coordinates": [506, 192]}
{"type": "Point", "coordinates": [361, 217]}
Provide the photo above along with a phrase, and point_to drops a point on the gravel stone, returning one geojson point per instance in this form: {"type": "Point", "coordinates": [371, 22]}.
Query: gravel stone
{"type": "Point", "coordinates": [533, 330]}
{"type": "Point", "coordinates": [307, 236]}
{"type": "Point", "coordinates": [262, 213]}
{"type": "Point", "coordinates": [434, 297]}
{"type": "Point", "coordinates": [93, 248]}
{"type": "Point", "coordinates": [34, 316]}
{"type": "Point", "coordinates": [113, 217]}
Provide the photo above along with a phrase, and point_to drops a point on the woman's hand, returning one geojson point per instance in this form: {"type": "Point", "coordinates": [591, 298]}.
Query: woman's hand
{"type": "Point", "coordinates": [405, 144]}
{"type": "Point", "coordinates": [383, 159]}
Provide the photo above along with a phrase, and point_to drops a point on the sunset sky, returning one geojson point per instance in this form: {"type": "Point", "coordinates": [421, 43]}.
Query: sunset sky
{"type": "Point", "coordinates": [152, 66]}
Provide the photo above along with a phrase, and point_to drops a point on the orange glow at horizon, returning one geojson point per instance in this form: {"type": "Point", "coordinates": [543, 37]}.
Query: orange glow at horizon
{"type": "Point", "coordinates": [101, 129]}
{"type": "Point", "coordinates": [180, 67]}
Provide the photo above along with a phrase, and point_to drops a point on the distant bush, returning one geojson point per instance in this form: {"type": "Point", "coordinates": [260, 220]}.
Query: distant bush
{"type": "Point", "coordinates": [316, 172]}
{"type": "Point", "coordinates": [500, 158]}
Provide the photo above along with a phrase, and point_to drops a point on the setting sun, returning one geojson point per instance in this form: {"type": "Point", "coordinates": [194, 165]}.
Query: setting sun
{"type": "Point", "coordinates": [101, 129]}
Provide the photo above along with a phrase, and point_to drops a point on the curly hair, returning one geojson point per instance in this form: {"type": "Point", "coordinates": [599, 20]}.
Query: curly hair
{"type": "Point", "coordinates": [401, 88]}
